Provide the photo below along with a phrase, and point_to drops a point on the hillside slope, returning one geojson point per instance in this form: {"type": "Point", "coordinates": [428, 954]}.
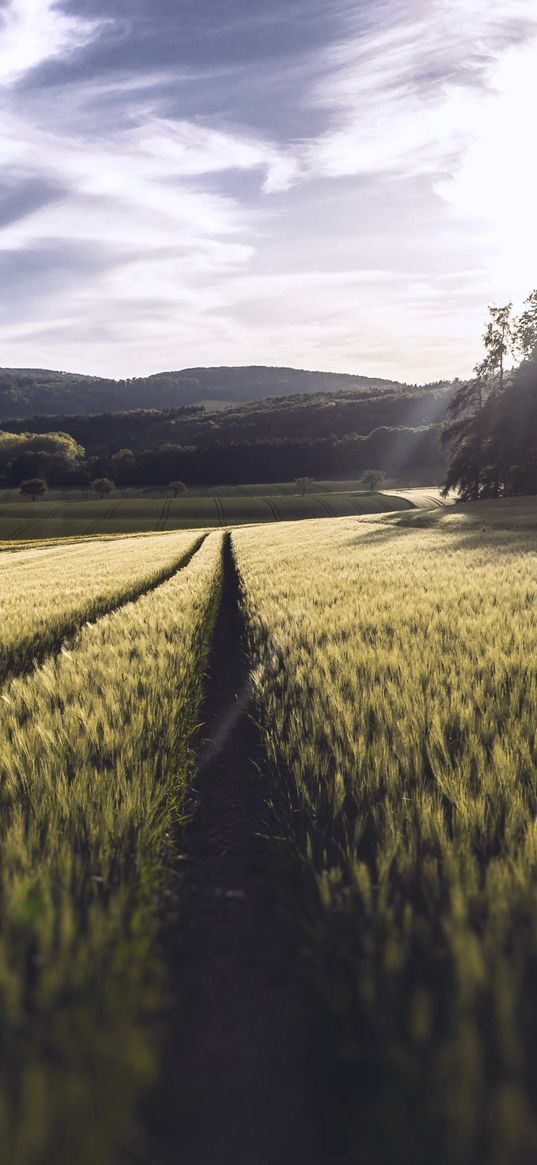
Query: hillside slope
{"type": "Point", "coordinates": [322, 435]}
{"type": "Point", "coordinates": [299, 417]}
{"type": "Point", "coordinates": [25, 392]}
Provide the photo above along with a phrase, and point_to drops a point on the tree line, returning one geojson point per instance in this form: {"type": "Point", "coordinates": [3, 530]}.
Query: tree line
{"type": "Point", "coordinates": [62, 463]}
{"type": "Point", "coordinates": [490, 433]}
{"type": "Point", "coordinates": [298, 417]}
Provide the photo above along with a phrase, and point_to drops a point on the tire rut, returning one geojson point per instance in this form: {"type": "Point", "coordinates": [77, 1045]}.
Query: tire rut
{"type": "Point", "coordinates": [231, 1087]}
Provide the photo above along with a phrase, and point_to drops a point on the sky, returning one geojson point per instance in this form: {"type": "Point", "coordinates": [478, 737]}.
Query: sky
{"type": "Point", "coordinates": [314, 183]}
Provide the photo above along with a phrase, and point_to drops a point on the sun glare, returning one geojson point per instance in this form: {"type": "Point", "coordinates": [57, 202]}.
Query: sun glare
{"type": "Point", "coordinates": [494, 182]}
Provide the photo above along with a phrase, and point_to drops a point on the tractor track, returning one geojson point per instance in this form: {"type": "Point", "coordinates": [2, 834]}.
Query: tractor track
{"type": "Point", "coordinates": [232, 1084]}
{"type": "Point", "coordinates": [164, 515]}
{"type": "Point", "coordinates": [220, 511]}
{"type": "Point", "coordinates": [273, 509]}
{"type": "Point", "coordinates": [326, 507]}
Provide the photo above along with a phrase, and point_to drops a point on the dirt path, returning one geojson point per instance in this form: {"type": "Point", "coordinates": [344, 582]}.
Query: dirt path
{"type": "Point", "coordinates": [231, 1090]}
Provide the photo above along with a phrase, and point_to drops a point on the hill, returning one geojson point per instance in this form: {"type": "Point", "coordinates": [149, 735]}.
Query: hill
{"type": "Point", "coordinates": [25, 392]}
{"type": "Point", "coordinates": [324, 435]}
{"type": "Point", "coordinates": [306, 417]}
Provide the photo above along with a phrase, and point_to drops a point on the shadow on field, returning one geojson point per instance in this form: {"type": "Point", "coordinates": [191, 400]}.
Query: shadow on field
{"type": "Point", "coordinates": [376, 537]}
{"type": "Point", "coordinates": [478, 526]}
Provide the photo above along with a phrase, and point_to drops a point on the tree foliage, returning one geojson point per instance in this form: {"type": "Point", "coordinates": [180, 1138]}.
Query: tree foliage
{"type": "Point", "coordinates": [316, 435]}
{"type": "Point", "coordinates": [303, 483]}
{"type": "Point", "coordinates": [526, 333]}
{"type": "Point", "coordinates": [57, 457]}
{"type": "Point", "coordinates": [33, 487]}
{"type": "Point", "coordinates": [372, 479]}
{"type": "Point", "coordinates": [102, 486]}
{"type": "Point", "coordinates": [491, 423]}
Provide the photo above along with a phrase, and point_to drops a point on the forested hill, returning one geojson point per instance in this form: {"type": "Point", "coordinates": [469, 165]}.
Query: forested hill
{"type": "Point", "coordinates": [25, 392]}
{"type": "Point", "coordinates": [323, 435]}
{"type": "Point", "coordinates": [301, 417]}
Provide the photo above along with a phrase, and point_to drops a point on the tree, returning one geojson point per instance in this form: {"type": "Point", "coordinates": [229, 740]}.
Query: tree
{"type": "Point", "coordinates": [33, 487]}
{"type": "Point", "coordinates": [102, 486]}
{"type": "Point", "coordinates": [526, 329]}
{"type": "Point", "coordinates": [122, 465]}
{"type": "Point", "coordinates": [491, 424]}
{"type": "Point", "coordinates": [463, 435]}
{"type": "Point", "coordinates": [177, 487]}
{"type": "Point", "coordinates": [56, 457]}
{"type": "Point", "coordinates": [303, 483]}
{"type": "Point", "coordinates": [472, 431]}
{"type": "Point", "coordinates": [499, 339]}
{"type": "Point", "coordinates": [521, 404]}
{"type": "Point", "coordinates": [372, 479]}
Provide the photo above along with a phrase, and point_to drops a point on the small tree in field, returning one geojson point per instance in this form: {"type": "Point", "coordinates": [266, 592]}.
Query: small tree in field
{"type": "Point", "coordinates": [303, 483]}
{"type": "Point", "coordinates": [33, 487]}
{"type": "Point", "coordinates": [102, 486]}
{"type": "Point", "coordinates": [177, 487]}
{"type": "Point", "coordinates": [372, 479]}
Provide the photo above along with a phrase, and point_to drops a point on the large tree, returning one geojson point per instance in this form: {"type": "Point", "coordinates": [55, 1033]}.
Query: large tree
{"type": "Point", "coordinates": [54, 456]}
{"type": "Point", "coordinates": [34, 487]}
{"type": "Point", "coordinates": [521, 411]}
{"type": "Point", "coordinates": [492, 418]}
{"type": "Point", "coordinates": [464, 436]}
{"type": "Point", "coordinates": [526, 329]}
{"type": "Point", "coordinates": [499, 342]}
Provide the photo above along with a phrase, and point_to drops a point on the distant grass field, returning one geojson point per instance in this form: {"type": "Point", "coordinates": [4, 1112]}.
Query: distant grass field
{"type": "Point", "coordinates": [246, 490]}
{"type": "Point", "coordinates": [56, 518]}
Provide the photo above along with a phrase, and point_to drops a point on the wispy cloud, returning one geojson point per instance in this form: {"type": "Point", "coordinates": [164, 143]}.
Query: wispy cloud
{"type": "Point", "coordinates": [34, 31]}
{"type": "Point", "coordinates": [403, 94]}
{"type": "Point", "coordinates": [158, 209]}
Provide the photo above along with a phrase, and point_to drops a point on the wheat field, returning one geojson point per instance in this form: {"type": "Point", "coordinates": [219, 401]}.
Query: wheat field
{"type": "Point", "coordinates": [46, 595]}
{"type": "Point", "coordinates": [397, 693]}
{"type": "Point", "coordinates": [94, 766]}
{"type": "Point", "coordinates": [388, 726]}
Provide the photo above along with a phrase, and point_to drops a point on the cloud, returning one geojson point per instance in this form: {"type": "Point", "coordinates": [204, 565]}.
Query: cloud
{"type": "Point", "coordinates": [157, 213]}
{"type": "Point", "coordinates": [401, 95]}
{"type": "Point", "coordinates": [494, 181]}
{"type": "Point", "coordinates": [35, 31]}
{"type": "Point", "coordinates": [140, 188]}
{"type": "Point", "coordinates": [190, 150]}
{"type": "Point", "coordinates": [135, 199]}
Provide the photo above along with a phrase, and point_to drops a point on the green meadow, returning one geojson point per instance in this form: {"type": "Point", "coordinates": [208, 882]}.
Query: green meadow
{"type": "Point", "coordinates": [61, 517]}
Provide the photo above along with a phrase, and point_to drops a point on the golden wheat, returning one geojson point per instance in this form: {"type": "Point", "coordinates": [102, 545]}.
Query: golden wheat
{"type": "Point", "coordinates": [94, 764]}
{"type": "Point", "coordinates": [45, 594]}
{"type": "Point", "coordinates": [397, 689]}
